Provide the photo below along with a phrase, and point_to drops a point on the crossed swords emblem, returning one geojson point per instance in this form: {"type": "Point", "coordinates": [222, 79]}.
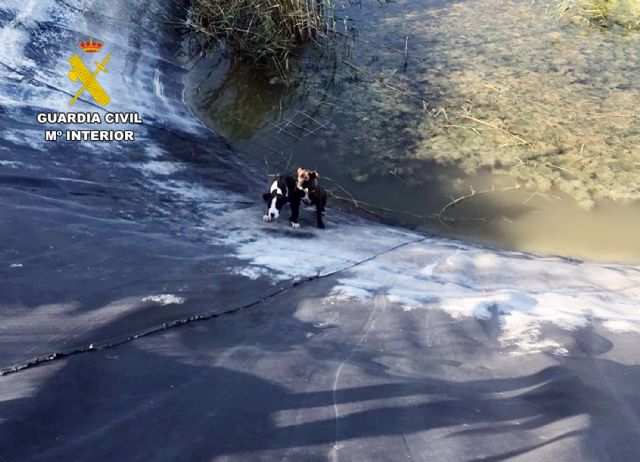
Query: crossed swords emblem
{"type": "Point", "coordinates": [88, 79]}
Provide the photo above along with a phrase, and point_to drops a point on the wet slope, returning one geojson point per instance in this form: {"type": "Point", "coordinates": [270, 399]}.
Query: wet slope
{"type": "Point", "coordinates": [361, 342]}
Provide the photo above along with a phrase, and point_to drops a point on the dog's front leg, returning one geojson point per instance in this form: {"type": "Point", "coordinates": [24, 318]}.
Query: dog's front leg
{"type": "Point", "coordinates": [295, 211]}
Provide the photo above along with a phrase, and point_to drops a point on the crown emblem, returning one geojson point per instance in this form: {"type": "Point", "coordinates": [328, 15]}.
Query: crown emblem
{"type": "Point", "coordinates": [90, 46]}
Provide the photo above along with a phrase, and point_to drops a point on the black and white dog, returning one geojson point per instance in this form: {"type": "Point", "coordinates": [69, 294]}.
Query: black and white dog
{"type": "Point", "coordinates": [286, 188]}
{"type": "Point", "coordinates": [283, 190]}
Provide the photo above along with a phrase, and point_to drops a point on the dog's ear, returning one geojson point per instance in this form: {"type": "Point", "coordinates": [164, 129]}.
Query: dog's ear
{"type": "Point", "coordinates": [313, 174]}
{"type": "Point", "coordinates": [266, 197]}
{"type": "Point", "coordinates": [299, 170]}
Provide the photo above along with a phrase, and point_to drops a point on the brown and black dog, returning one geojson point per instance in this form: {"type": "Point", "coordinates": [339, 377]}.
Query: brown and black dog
{"type": "Point", "coordinates": [314, 194]}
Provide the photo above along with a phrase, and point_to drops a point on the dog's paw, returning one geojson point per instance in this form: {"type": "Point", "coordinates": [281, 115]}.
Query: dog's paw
{"type": "Point", "coordinates": [266, 218]}
{"type": "Point", "coordinates": [295, 225]}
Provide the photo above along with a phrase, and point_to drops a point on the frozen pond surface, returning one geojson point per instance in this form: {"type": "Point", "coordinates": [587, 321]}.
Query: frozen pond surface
{"type": "Point", "coordinates": [360, 342]}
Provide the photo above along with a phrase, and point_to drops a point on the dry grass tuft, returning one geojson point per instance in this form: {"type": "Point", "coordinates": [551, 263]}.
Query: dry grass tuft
{"type": "Point", "coordinates": [603, 12]}
{"type": "Point", "coordinates": [261, 31]}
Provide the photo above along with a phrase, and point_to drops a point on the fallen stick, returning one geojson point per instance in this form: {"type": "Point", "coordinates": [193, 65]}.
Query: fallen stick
{"type": "Point", "coordinates": [463, 127]}
{"type": "Point", "coordinates": [561, 168]}
{"type": "Point", "coordinates": [473, 192]}
{"type": "Point", "coordinates": [495, 127]}
{"type": "Point", "coordinates": [359, 205]}
{"type": "Point", "coordinates": [391, 87]}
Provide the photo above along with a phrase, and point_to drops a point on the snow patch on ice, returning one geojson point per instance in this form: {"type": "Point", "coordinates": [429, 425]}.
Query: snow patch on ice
{"type": "Point", "coordinates": [164, 299]}
{"type": "Point", "coordinates": [252, 272]}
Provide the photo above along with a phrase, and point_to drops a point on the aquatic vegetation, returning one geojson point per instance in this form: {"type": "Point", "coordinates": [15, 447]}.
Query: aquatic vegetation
{"type": "Point", "coordinates": [605, 12]}
{"type": "Point", "coordinates": [556, 109]}
{"type": "Point", "coordinates": [260, 30]}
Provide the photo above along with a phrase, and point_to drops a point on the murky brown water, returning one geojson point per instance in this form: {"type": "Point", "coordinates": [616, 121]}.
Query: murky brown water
{"type": "Point", "coordinates": [535, 114]}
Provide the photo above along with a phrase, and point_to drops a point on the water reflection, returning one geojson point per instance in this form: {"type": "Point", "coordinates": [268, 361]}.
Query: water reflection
{"type": "Point", "coordinates": [235, 99]}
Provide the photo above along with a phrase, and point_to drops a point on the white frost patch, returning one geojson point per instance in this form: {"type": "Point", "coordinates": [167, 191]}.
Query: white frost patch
{"type": "Point", "coordinates": [15, 165]}
{"type": "Point", "coordinates": [195, 192]}
{"type": "Point", "coordinates": [485, 306]}
{"type": "Point", "coordinates": [160, 168]}
{"type": "Point", "coordinates": [164, 299]}
{"type": "Point", "coordinates": [290, 257]}
{"type": "Point", "coordinates": [619, 325]}
{"type": "Point", "coordinates": [303, 253]}
{"type": "Point", "coordinates": [251, 272]}
{"type": "Point", "coordinates": [153, 150]}
{"type": "Point", "coordinates": [346, 292]}
{"type": "Point", "coordinates": [32, 138]}
{"type": "Point", "coordinates": [521, 293]}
